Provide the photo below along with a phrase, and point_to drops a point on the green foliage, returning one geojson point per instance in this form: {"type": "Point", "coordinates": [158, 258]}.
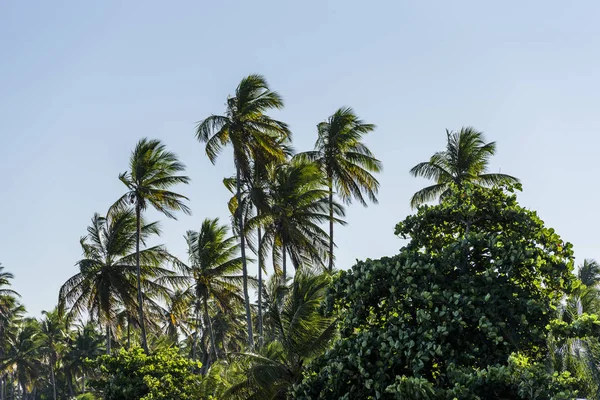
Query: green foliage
{"type": "Point", "coordinates": [134, 375]}
{"type": "Point", "coordinates": [300, 333]}
{"type": "Point", "coordinates": [465, 160]}
{"type": "Point", "coordinates": [479, 281]}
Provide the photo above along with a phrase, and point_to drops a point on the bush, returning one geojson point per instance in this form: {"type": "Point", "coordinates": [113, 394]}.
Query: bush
{"type": "Point", "coordinates": [462, 312]}
{"type": "Point", "coordinates": [133, 375]}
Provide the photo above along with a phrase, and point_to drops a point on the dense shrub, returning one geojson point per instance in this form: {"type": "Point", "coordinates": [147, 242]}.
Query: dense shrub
{"type": "Point", "coordinates": [462, 312]}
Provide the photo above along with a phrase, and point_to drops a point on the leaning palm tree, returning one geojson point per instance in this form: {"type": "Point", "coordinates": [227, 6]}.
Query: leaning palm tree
{"type": "Point", "coordinates": [249, 131]}
{"type": "Point", "coordinates": [153, 171]}
{"type": "Point", "coordinates": [107, 272]}
{"type": "Point", "coordinates": [212, 272]}
{"type": "Point", "coordinates": [300, 333]}
{"type": "Point", "coordinates": [297, 206]}
{"type": "Point", "coordinates": [465, 159]}
{"type": "Point", "coordinates": [346, 162]}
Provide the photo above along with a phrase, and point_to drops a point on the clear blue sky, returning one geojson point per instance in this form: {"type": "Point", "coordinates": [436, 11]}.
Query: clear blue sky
{"type": "Point", "coordinates": [81, 82]}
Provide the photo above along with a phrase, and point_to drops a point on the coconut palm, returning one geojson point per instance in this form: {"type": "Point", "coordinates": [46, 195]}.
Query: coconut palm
{"type": "Point", "coordinates": [53, 335]}
{"type": "Point", "coordinates": [24, 355]}
{"type": "Point", "coordinates": [84, 343]}
{"type": "Point", "coordinates": [581, 356]}
{"type": "Point", "coordinates": [346, 161]}
{"type": "Point", "coordinates": [298, 204]}
{"type": "Point", "coordinates": [107, 272]}
{"type": "Point", "coordinates": [254, 201]}
{"type": "Point", "coordinates": [174, 315]}
{"type": "Point", "coordinates": [153, 171]}
{"type": "Point", "coordinates": [249, 131]}
{"type": "Point", "coordinates": [301, 333]}
{"type": "Point", "coordinates": [465, 159]}
{"type": "Point", "coordinates": [212, 272]}
{"type": "Point", "coordinates": [10, 323]}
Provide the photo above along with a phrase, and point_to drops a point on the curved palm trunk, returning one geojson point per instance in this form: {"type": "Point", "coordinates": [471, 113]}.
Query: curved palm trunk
{"type": "Point", "coordinates": [260, 284]}
{"type": "Point", "coordinates": [330, 225]}
{"type": "Point", "coordinates": [210, 329]}
{"type": "Point", "coordinates": [243, 252]}
{"type": "Point", "coordinates": [139, 278]}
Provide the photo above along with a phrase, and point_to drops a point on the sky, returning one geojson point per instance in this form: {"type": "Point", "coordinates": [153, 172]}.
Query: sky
{"type": "Point", "coordinates": [81, 82]}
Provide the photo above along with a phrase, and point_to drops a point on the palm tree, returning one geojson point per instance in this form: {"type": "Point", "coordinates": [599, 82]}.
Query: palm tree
{"type": "Point", "coordinates": [249, 131]}
{"type": "Point", "coordinates": [298, 204]}
{"type": "Point", "coordinates": [212, 271]}
{"type": "Point", "coordinates": [107, 272]}
{"type": "Point", "coordinates": [53, 330]}
{"type": "Point", "coordinates": [24, 354]}
{"type": "Point", "coordinates": [465, 159]}
{"type": "Point", "coordinates": [346, 162]}
{"type": "Point", "coordinates": [254, 201]}
{"type": "Point", "coordinates": [175, 313]}
{"type": "Point", "coordinates": [581, 356]}
{"type": "Point", "coordinates": [152, 172]}
{"type": "Point", "coordinates": [10, 323]}
{"type": "Point", "coordinates": [300, 332]}
{"type": "Point", "coordinates": [86, 343]}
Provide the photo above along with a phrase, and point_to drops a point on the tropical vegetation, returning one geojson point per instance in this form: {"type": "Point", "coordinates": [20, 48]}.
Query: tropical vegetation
{"type": "Point", "coordinates": [483, 301]}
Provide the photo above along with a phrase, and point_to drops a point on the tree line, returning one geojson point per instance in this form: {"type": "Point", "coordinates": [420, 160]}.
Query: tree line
{"type": "Point", "coordinates": [131, 306]}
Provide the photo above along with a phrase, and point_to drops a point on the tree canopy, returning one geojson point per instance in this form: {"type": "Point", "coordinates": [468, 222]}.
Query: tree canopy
{"type": "Point", "coordinates": [461, 311]}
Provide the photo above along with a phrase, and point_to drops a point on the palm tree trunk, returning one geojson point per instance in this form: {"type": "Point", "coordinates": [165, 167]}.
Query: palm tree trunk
{"type": "Point", "coordinates": [70, 382]}
{"type": "Point", "coordinates": [243, 252]}
{"type": "Point", "coordinates": [107, 339]}
{"type": "Point", "coordinates": [210, 328]}
{"type": "Point", "coordinates": [53, 377]}
{"type": "Point", "coordinates": [260, 284]}
{"type": "Point", "coordinates": [138, 212]}
{"type": "Point", "coordinates": [195, 342]}
{"type": "Point", "coordinates": [330, 225]}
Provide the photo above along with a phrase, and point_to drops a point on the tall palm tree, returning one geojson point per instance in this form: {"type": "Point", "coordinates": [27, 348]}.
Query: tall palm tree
{"type": "Point", "coordinates": [249, 131]}
{"type": "Point", "coordinates": [107, 272]}
{"type": "Point", "coordinates": [153, 171]}
{"type": "Point", "coordinates": [465, 159]}
{"type": "Point", "coordinates": [298, 204]}
{"type": "Point", "coordinates": [346, 161]}
{"type": "Point", "coordinates": [53, 330]}
{"type": "Point", "coordinates": [212, 271]}
{"type": "Point", "coordinates": [254, 201]}
{"type": "Point", "coordinates": [300, 332]}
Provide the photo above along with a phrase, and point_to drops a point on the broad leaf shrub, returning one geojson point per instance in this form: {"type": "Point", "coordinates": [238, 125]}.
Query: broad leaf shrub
{"type": "Point", "coordinates": [463, 312]}
{"type": "Point", "coordinates": [134, 375]}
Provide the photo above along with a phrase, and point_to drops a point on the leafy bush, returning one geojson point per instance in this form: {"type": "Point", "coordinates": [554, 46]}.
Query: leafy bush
{"type": "Point", "coordinates": [133, 375]}
{"type": "Point", "coordinates": [462, 311]}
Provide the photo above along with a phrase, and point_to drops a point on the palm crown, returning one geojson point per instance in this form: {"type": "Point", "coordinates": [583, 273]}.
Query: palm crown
{"type": "Point", "coordinates": [298, 204]}
{"type": "Point", "coordinates": [107, 272]}
{"type": "Point", "coordinates": [465, 159]}
{"type": "Point", "coordinates": [212, 270]}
